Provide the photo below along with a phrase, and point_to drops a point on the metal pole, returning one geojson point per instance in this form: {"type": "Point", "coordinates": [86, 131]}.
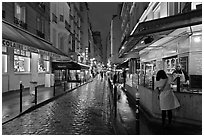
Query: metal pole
{"type": "Point", "coordinates": [54, 90]}
{"type": "Point", "coordinates": [21, 90]}
{"type": "Point", "coordinates": [137, 114]}
{"type": "Point", "coordinates": [178, 84]}
{"type": "Point", "coordinates": [64, 86]}
{"type": "Point", "coordinates": [35, 95]}
{"type": "Point", "coordinates": [115, 99]}
{"type": "Point", "coordinates": [152, 82]}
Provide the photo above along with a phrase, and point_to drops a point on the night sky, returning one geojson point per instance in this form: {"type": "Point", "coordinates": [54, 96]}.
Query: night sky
{"type": "Point", "coordinates": [100, 15]}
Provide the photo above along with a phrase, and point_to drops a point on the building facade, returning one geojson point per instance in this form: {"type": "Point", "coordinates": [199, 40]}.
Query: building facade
{"type": "Point", "coordinates": [164, 34]}
{"type": "Point", "coordinates": [60, 28]}
{"type": "Point", "coordinates": [26, 50]}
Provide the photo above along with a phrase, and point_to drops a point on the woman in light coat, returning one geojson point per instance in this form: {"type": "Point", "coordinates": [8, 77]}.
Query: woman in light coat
{"type": "Point", "coordinates": [168, 100]}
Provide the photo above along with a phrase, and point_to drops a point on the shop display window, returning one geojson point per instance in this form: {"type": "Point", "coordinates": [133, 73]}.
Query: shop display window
{"type": "Point", "coordinates": [4, 59]}
{"type": "Point", "coordinates": [4, 49]}
{"type": "Point", "coordinates": [4, 63]}
{"type": "Point", "coordinates": [170, 65]}
{"type": "Point", "coordinates": [43, 63]}
{"type": "Point", "coordinates": [21, 64]}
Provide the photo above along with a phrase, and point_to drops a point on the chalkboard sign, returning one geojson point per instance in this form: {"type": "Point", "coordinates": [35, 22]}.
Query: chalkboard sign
{"type": "Point", "coordinates": [196, 81]}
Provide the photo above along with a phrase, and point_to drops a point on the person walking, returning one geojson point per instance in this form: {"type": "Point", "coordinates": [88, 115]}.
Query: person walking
{"type": "Point", "coordinates": [167, 99]}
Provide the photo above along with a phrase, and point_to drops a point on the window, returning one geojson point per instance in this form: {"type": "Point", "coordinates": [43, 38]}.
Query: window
{"type": "Point", "coordinates": [21, 61]}
{"type": "Point", "coordinates": [156, 12]}
{"type": "Point", "coordinates": [4, 59]}
{"type": "Point", "coordinates": [20, 14]}
{"type": "Point", "coordinates": [43, 63]}
{"type": "Point", "coordinates": [40, 28]}
{"type": "Point", "coordinates": [62, 18]}
{"type": "Point", "coordinates": [170, 65]}
{"type": "Point", "coordinates": [184, 63]}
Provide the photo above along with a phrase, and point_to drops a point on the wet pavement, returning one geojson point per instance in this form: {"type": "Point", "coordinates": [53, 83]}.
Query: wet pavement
{"type": "Point", "coordinates": [11, 101]}
{"type": "Point", "coordinates": [147, 124]}
{"type": "Point", "coordinates": [88, 110]}
{"type": "Point", "coordinates": [84, 111]}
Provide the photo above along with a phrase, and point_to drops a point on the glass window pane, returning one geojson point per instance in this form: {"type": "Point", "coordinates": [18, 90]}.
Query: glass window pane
{"type": "Point", "coordinates": [21, 64]}
{"type": "Point", "coordinates": [4, 63]}
{"type": "Point", "coordinates": [4, 49]}
{"type": "Point", "coordinates": [16, 51]}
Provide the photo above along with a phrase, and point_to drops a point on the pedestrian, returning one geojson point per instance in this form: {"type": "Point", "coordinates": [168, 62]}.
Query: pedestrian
{"type": "Point", "coordinates": [114, 78]}
{"type": "Point", "coordinates": [167, 99]}
{"type": "Point", "coordinates": [179, 72]}
{"type": "Point", "coordinates": [124, 76]}
{"type": "Point", "coordinates": [101, 74]}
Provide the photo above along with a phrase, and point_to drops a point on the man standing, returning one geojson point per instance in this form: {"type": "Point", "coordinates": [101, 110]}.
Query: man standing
{"type": "Point", "coordinates": [184, 78]}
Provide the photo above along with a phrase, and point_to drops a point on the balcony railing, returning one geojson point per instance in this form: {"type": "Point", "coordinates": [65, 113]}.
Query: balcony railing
{"type": "Point", "coordinates": [40, 34]}
{"type": "Point", "coordinates": [20, 23]}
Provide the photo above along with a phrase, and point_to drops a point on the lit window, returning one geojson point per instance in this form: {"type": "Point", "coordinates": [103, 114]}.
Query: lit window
{"type": "Point", "coordinates": [4, 63]}
{"type": "Point", "coordinates": [21, 64]}
{"type": "Point", "coordinates": [43, 63]}
{"type": "Point", "coordinates": [20, 12]}
{"type": "Point", "coordinates": [4, 49]}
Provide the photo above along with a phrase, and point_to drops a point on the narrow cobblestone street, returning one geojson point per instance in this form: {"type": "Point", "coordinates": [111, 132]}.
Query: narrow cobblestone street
{"type": "Point", "coordinates": [82, 111]}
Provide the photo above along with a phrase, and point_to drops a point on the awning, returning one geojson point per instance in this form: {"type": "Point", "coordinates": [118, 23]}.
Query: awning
{"type": "Point", "coordinates": [151, 31]}
{"type": "Point", "coordinates": [125, 64]}
{"type": "Point", "coordinates": [71, 65]}
{"type": "Point", "coordinates": [84, 66]}
{"type": "Point", "coordinates": [20, 36]}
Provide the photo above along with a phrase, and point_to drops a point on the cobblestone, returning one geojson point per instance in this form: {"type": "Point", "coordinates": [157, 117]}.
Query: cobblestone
{"type": "Point", "coordinates": [83, 111]}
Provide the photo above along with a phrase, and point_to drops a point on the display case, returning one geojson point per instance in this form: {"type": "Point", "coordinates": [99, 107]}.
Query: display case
{"type": "Point", "coordinates": [170, 64]}
{"type": "Point", "coordinates": [21, 60]}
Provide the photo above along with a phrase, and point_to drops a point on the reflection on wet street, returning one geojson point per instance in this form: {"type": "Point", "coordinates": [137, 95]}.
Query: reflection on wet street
{"type": "Point", "coordinates": [82, 111]}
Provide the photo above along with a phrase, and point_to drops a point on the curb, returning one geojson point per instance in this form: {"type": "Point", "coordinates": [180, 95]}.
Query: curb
{"type": "Point", "coordinates": [44, 103]}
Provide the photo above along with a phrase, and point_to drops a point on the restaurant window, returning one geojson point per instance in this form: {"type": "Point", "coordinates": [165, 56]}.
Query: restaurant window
{"type": "Point", "coordinates": [43, 63]}
{"type": "Point", "coordinates": [21, 61]}
{"type": "Point", "coordinates": [4, 59]}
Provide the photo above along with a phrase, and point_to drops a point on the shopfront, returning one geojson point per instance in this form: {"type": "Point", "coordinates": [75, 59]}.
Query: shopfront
{"type": "Point", "coordinates": [182, 45]}
{"type": "Point", "coordinates": [25, 58]}
{"type": "Point", "coordinates": [70, 71]}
